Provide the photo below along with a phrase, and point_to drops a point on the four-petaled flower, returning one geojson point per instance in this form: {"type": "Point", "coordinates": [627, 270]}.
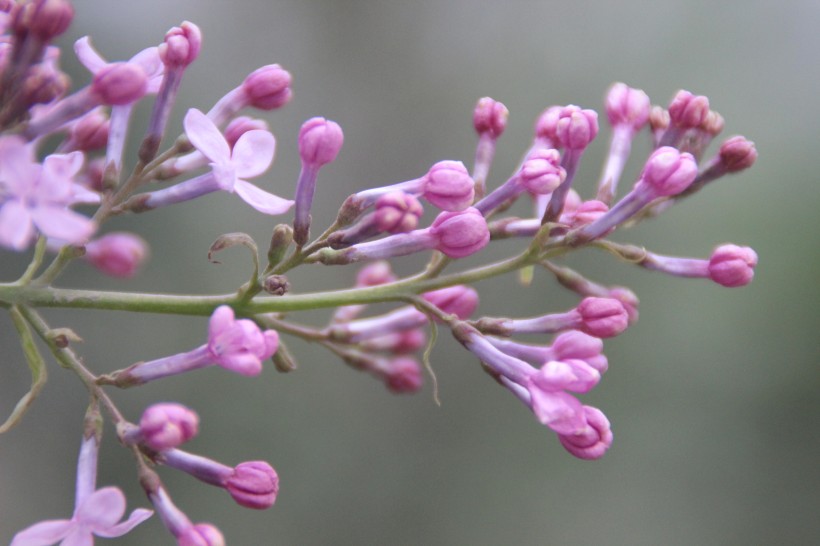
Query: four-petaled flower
{"type": "Point", "coordinates": [251, 156]}
{"type": "Point", "coordinates": [35, 197]}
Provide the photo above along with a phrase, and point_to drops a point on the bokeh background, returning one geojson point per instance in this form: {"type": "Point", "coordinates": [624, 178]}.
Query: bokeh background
{"type": "Point", "coordinates": [712, 394]}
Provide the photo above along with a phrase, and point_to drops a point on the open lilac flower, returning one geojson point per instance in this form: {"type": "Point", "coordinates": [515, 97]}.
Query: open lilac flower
{"type": "Point", "coordinates": [95, 513]}
{"type": "Point", "coordinates": [251, 156]}
{"type": "Point", "coordinates": [236, 345]}
{"type": "Point", "coordinates": [35, 197]}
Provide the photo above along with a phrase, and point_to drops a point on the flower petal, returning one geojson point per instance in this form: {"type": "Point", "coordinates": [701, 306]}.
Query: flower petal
{"type": "Point", "coordinates": [137, 516]}
{"type": "Point", "coordinates": [88, 55]}
{"type": "Point", "coordinates": [102, 509]}
{"type": "Point", "coordinates": [253, 153]}
{"type": "Point", "coordinates": [150, 62]}
{"type": "Point", "coordinates": [79, 536]}
{"type": "Point", "coordinates": [205, 137]}
{"type": "Point", "coordinates": [246, 364]}
{"type": "Point", "coordinates": [260, 199]}
{"type": "Point", "coordinates": [221, 319]}
{"type": "Point", "coordinates": [559, 411]}
{"type": "Point", "coordinates": [18, 171]}
{"type": "Point", "coordinates": [43, 533]}
{"type": "Point", "coordinates": [16, 227]}
{"type": "Point", "coordinates": [63, 224]}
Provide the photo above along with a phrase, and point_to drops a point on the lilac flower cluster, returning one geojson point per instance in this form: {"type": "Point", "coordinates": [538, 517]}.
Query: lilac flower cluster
{"type": "Point", "coordinates": [221, 151]}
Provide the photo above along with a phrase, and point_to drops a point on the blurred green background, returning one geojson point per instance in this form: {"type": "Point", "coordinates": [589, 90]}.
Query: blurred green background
{"type": "Point", "coordinates": [712, 395]}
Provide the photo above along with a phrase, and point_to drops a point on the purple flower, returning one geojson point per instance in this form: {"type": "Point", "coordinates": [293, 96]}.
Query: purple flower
{"type": "Point", "coordinates": [455, 234]}
{"type": "Point", "coordinates": [265, 88]}
{"type": "Point", "coordinates": [36, 197]}
{"type": "Point", "coordinates": [118, 254]}
{"type": "Point", "coordinates": [239, 345]}
{"type": "Point", "coordinates": [168, 425]}
{"type": "Point", "coordinates": [447, 185]}
{"type": "Point", "coordinates": [236, 345]}
{"type": "Point", "coordinates": [95, 513]}
{"type": "Point", "coordinates": [252, 484]}
{"type": "Point", "coordinates": [251, 156]}
{"type": "Point", "coordinates": [667, 172]}
{"type": "Point", "coordinates": [319, 143]}
{"type": "Point", "coordinates": [730, 265]}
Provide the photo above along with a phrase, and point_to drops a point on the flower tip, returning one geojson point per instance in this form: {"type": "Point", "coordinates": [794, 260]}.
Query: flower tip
{"type": "Point", "coordinates": [320, 141]}
{"type": "Point", "coordinates": [490, 117]}
{"type": "Point", "coordinates": [732, 266]}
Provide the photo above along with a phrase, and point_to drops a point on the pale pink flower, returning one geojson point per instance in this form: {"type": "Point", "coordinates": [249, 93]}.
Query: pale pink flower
{"type": "Point", "coordinates": [251, 156]}
{"type": "Point", "coordinates": [95, 513]}
{"type": "Point", "coordinates": [35, 197]}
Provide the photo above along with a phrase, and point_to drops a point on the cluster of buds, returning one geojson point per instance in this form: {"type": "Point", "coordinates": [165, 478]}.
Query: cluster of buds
{"type": "Point", "coordinates": [221, 151]}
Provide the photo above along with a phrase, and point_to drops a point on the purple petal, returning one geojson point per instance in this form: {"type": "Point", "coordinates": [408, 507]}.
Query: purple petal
{"type": "Point", "coordinates": [79, 536]}
{"type": "Point", "coordinates": [43, 533]}
{"type": "Point", "coordinates": [88, 55]}
{"type": "Point", "coordinates": [137, 516]}
{"type": "Point", "coordinates": [253, 153]}
{"type": "Point", "coordinates": [102, 509]}
{"type": "Point", "coordinates": [260, 199]}
{"type": "Point", "coordinates": [18, 171]}
{"type": "Point", "coordinates": [242, 363]}
{"type": "Point", "coordinates": [55, 184]}
{"type": "Point", "coordinates": [16, 227]}
{"type": "Point", "coordinates": [221, 319]}
{"type": "Point", "coordinates": [205, 137]}
{"type": "Point", "coordinates": [559, 411]}
{"type": "Point", "coordinates": [150, 62]}
{"type": "Point", "coordinates": [63, 224]}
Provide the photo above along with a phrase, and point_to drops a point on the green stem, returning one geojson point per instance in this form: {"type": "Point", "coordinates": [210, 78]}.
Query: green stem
{"type": "Point", "coordinates": [204, 305]}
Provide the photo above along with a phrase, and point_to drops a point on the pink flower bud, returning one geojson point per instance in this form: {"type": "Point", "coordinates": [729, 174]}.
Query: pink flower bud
{"type": "Point", "coordinates": [118, 254]}
{"type": "Point", "coordinates": [602, 317]}
{"type": "Point", "coordinates": [253, 484]}
{"type": "Point", "coordinates": [732, 265]}
{"type": "Point", "coordinates": [573, 375]}
{"type": "Point", "coordinates": [737, 153]}
{"type": "Point", "coordinates": [45, 19]}
{"type": "Point", "coordinates": [375, 274]}
{"type": "Point", "coordinates": [628, 299]}
{"type": "Point", "coordinates": [241, 125]}
{"type": "Point", "coordinates": [576, 128]}
{"type": "Point", "coordinates": [320, 141]}
{"type": "Point", "coordinates": [546, 127]}
{"type": "Point", "coordinates": [239, 345]}
{"type": "Point", "coordinates": [591, 441]}
{"type": "Point", "coordinates": [120, 83]}
{"type": "Point", "coordinates": [713, 124]}
{"type": "Point", "coordinates": [181, 46]}
{"type": "Point", "coordinates": [627, 106]}
{"type": "Point", "coordinates": [460, 234]}
{"type": "Point", "coordinates": [577, 345]}
{"type": "Point", "coordinates": [398, 212]}
{"type": "Point", "coordinates": [687, 110]}
{"type": "Point", "coordinates": [268, 87]}
{"type": "Point", "coordinates": [459, 300]}
{"type": "Point", "coordinates": [668, 171]}
{"type": "Point", "coordinates": [448, 186]}
{"type": "Point", "coordinates": [542, 173]}
{"type": "Point", "coordinates": [490, 117]}
{"type": "Point", "coordinates": [403, 375]}
{"type": "Point", "coordinates": [168, 425]}
{"type": "Point", "coordinates": [201, 534]}
{"type": "Point", "coordinates": [91, 131]}
{"type": "Point", "coordinates": [586, 213]}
